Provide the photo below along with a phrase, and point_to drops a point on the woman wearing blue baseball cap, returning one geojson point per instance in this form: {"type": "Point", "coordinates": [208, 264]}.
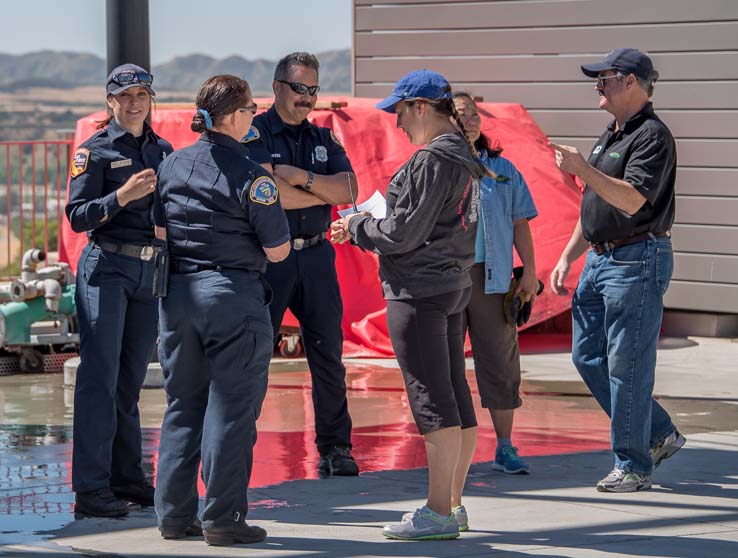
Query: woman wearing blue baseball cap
{"type": "Point", "coordinates": [113, 177]}
{"type": "Point", "coordinates": [426, 247]}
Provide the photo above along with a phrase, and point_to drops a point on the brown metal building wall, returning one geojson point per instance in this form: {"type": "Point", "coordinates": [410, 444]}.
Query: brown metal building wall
{"type": "Point", "coordinates": [530, 51]}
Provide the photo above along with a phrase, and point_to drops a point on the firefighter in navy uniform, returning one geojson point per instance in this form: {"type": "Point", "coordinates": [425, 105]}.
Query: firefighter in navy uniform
{"type": "Point", "coordinates": [313, 173]}
{"type": "Point", "coordinates": [222, 221]}
{"type": "Point", "coordinates": [110, 198]}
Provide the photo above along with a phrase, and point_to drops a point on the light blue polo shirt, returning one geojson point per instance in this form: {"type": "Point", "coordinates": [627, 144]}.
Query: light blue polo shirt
{"type": "Point", "coordinates": [505, 200]}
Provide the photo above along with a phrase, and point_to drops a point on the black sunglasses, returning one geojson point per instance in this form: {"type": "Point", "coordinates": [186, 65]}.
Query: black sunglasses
{"type": "Point", "coordinates": [251, 108]}
{"type": "Point", "coordinates": [130, 77]}
{"type": "Point", "coordinates": [301, 88]}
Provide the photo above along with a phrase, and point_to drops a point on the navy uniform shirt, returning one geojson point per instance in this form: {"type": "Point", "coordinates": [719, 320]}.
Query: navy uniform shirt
{"type": "Point", "coordinates": [305, 146]}
{"type": "Point", "coordinates": [101, 165]}
{"type": "Point", "coordinates": [642, 153]}
{"type": "Point", "coordinates": [218, 206]}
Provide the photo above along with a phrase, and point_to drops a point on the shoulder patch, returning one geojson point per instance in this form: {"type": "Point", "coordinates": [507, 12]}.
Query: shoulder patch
{"type": "Point", "coordinates": [251, 135]}
{"type": "Point", "coordinates": [264, 191]}
{"type": "Point", "coordinates": [335, 140]}
{"type": "Point", "coordinates": [79, 161]}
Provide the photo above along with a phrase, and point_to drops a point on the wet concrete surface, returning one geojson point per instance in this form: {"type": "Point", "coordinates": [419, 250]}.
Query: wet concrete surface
{"type": "Point", "coordinates": [559, 423]}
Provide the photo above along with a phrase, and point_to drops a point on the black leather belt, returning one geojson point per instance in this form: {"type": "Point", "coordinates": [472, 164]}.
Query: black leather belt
{"type": "Point", "coordinates": [186, 267]}
{"type": "Point", "coordinates": [300, 243]}
{"type": "Point", "coordinates": [602, 247]}
{"type": "Point", "coordinates": [144, 253]}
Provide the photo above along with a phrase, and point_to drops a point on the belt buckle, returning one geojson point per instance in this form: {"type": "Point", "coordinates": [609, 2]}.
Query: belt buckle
{"type": "Point", "coordinates": [147, 253]}
{"type": "Point", "coordinates": [298, 243]}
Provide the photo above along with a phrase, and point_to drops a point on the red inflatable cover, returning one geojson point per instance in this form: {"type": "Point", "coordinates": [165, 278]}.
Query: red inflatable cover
{"type": "Point", "coordinates": [377, 148]}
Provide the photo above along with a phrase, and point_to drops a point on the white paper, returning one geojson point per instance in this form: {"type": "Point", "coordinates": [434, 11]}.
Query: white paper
{"type": "Point", "coordinates": [376, 205]}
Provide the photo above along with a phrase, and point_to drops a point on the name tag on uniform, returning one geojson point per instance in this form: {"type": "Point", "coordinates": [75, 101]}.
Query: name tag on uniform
{"type": "Point", "coordinates": [123, 163]}
{"type": "Point", "coordinates": [276, 155]}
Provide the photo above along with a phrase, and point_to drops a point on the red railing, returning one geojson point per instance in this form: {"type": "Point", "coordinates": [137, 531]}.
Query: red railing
{"type": "Point", "coordinates": [34, 174]}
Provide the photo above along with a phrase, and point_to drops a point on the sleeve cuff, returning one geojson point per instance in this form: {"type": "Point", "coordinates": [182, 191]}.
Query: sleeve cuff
{"type": "Point", "coordinates": [110, 205]}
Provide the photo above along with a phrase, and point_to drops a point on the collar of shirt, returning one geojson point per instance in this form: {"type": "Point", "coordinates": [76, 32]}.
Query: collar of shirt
{"type": "Point", "coordinates": [223, 140]}
{"type": "Point", "coordinates": [115, 132]}
{"type": "Point", "coordinates": [634, 121]}
{"type": "Point", "coordinates": [276, 124]}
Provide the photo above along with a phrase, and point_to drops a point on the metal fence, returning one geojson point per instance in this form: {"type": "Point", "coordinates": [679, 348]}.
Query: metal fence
{"type": "Point", "coordinates": [33, 178]}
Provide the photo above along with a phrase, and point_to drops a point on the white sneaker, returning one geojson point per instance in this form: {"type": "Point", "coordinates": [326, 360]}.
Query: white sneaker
{"type": "Point", "coordinates": [667, 448]}
{"type": "Point", "coordinates": [423, 524]}
{"type": "Point", "coordinates": [624, 481]}
{"type": "Point", "coordinates": [459, 513]}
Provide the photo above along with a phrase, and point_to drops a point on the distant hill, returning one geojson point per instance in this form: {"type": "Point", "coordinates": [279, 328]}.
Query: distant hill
{"type": "Point", "coordinates": [185, 73]}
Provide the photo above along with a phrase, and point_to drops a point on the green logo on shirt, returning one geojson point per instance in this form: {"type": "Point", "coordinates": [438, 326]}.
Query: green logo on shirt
{"type": "Point", "coordinates": [501, 178]}
{"type": "Point", "coordinates": [615, 155]}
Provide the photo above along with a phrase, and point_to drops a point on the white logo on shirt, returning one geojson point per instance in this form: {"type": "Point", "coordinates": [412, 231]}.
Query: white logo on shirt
{"type": "Point", "coordinates": [597, 150]}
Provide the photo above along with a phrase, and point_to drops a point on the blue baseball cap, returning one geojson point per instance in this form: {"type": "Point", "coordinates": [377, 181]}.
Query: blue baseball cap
{"type": "Point", "coordinates": [625, 60]}
{"type": "Point", "coordinates": [426, 84]}
{"type": "Point", "coordinates": [126, 76]}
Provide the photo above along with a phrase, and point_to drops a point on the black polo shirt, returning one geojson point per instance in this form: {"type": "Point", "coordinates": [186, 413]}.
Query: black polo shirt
{"type": "Point", "coordinates": [642, 153]}
{"type": "Point", "coordinates": [305, 146]}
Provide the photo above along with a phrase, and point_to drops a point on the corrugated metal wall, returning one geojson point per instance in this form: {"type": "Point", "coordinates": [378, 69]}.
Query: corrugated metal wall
{"type": "Point", "coordinates": [529, 51]}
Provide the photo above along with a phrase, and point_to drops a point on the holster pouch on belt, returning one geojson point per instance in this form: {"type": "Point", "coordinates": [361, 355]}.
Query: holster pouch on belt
{"type": "Point", "coordinates": [161, 273]}
{"type": "Point", "coordinates": [517, 310]}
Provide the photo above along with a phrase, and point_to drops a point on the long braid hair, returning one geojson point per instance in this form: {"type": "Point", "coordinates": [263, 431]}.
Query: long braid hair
{"type": "Point", "coordinates": [483, 142]}
{"type": "Point", "coordinates": [446, 106]}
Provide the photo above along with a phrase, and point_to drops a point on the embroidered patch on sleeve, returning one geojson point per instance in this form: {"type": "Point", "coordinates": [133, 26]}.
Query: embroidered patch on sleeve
{"type": "Point", "coordinates": [253, 134]}
{"type": "Point", "coordinates": [263, 191]}
{"type": "Point", "coordinates": [79, 161]}
{"type": "Point", "coordinates": [335, 140]}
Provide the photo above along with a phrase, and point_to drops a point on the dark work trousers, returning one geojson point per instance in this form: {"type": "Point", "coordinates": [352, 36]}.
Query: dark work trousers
{"type": "Point", "coordinates": [306, 283]}
{"type": "Point", "coordinates": [215, 343]}
{"type": "Point", "coordinates": [117, 321]}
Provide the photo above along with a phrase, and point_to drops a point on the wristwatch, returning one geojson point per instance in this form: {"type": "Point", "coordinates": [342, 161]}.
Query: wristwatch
{"type": "Point", "coordinates": [309, 183]}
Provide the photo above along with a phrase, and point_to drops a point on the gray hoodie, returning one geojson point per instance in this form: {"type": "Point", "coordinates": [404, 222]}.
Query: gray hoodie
{"type": "Point", "coordinates": [426, 243]}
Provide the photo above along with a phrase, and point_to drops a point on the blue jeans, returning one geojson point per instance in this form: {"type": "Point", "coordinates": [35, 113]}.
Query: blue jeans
{"type": "Point", "coordinates": [616, 314]}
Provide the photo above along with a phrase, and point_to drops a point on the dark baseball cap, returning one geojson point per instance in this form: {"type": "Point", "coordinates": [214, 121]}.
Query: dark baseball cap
{"type": "Point", "coordinates": [625, 60]}
{"type": "Point", "coordinates": [425, 84]}
{"type": "Point", "coordinates": [126, 76]}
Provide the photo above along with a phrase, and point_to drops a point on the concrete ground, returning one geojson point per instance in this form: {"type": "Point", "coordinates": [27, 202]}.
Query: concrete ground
{"type": "Point", "coordinates": [691, 511]}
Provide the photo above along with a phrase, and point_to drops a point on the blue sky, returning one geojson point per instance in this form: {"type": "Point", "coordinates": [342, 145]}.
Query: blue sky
{"type": "Point", "coordinates": [215, 27]}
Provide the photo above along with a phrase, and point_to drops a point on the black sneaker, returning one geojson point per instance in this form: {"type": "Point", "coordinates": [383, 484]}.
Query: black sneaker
{"type": "Point", "coordinates": [141, 492]}
{"type": "Point", "coordinates": [337, 461]}
{"type": "Point", "coordinates": [99, 503]}
{"type": "Point", "coordinates": [240, 533]}
{"type": "Point", "coordinates": [193, 530]}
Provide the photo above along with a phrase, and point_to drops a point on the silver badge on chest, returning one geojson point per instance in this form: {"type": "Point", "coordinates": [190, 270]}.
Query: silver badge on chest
{"type": "Point", "coordinates": [321, 153]}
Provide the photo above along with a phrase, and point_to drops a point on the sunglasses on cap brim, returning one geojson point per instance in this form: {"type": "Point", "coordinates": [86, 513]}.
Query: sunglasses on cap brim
{"type": "Point", "coordinates": [131, 77]}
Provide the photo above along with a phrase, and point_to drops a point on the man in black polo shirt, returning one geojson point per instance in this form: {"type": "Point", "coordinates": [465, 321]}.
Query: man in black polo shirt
{"type": "Point", "coordinates": [313, 173]}
{"type": "Point", "coordinates": [627, 211]}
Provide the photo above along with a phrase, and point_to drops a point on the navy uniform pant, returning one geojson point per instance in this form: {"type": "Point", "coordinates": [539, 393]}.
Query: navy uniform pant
{"type": "Point", "coordinates": [215, 343]}
{"type": "Point", "coordinates": [117, 319]}
{"type": "Point", "coordinates": [306, 283]}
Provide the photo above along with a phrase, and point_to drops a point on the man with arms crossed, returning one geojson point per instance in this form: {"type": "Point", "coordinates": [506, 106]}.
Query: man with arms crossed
{"type": "Point", "coordinates": [313, 173]}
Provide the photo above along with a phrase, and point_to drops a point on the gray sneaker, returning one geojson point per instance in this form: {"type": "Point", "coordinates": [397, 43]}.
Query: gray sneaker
{"type": "Point", "coordinates": [423, 525]}
{"type": "Point", "coordinates": [459, 513]}
{"type": "Point", "coordinates": [667, 448]}
{"type": "Point", "coordinates": [624, 481]}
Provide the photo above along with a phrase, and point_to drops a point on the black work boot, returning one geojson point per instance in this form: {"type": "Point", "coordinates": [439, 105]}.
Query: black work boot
{"type": "Point", "coordinates": [193, 530]}
{"type": "Point", "coordinates": [337, 461]}
{"type": "Point", "coordinates": [141, 492]}
{"type": "Point", "coordinates": [240, 533]}
{"type": "Point", "coordinates": [99, 503]}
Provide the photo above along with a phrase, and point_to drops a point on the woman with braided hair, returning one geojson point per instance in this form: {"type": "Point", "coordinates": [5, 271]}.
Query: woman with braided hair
{"type": "Point", "coordinates": [426, 247]}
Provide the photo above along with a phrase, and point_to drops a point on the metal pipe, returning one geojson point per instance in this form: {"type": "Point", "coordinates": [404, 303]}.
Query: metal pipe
{"type": "Point", "coordinates": [128, 33]}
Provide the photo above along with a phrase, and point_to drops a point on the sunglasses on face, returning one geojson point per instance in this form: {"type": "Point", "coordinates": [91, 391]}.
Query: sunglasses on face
{"type": "Point", "coordinates": [301, 88]}
{"type": "Point", "coordinates": [130, 77]}
{"type": "Point", "coordinates": [251, 108]}
{"type": "Point", "coordinates": [601, 78]}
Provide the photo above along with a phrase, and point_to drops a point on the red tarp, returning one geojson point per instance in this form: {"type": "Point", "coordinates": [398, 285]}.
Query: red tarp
{"type": "Point", "coordinates": [377, 149]}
